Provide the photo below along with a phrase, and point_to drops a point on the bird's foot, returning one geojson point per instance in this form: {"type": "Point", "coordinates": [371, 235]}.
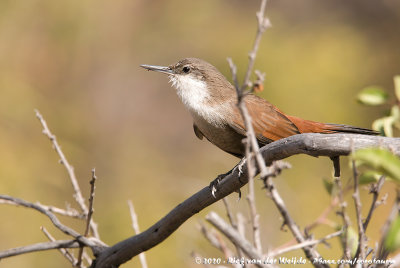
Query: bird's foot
{"type": "Point", "coordinates": [240, 166]}
{"type": "Point", "coordinates": [214, 184]}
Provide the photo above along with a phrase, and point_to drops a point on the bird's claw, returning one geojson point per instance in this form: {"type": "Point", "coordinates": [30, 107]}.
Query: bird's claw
{"type": "Point", "coordinates": [214, 184]}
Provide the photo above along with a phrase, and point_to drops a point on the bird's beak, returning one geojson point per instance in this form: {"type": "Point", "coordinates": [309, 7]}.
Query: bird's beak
{"type": "Point", "coordinates": [160, 69]}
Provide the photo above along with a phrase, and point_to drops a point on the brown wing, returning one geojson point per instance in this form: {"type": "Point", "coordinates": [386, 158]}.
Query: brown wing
{"type": "Point", "coordinates": [269, 123]}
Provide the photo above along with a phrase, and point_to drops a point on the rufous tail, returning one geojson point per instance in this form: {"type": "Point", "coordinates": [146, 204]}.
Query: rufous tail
{"type": "Point", "coordinates": [307, 126]}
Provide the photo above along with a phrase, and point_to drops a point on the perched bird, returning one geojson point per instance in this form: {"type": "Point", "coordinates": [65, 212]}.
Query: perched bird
{"type": "Point", "coordinates": [211, 100]}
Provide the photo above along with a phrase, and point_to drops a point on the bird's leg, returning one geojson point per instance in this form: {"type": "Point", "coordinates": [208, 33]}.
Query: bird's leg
{"type": "Point", "coordinates": [336, 165]}
{"type": "Point", "coordinates": [214, 184]}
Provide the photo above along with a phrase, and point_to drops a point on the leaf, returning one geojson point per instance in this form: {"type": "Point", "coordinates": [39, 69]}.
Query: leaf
{"type": "Point", "coordinates": [397, 86]}
{"type": "Point", "coordinates": [352, 240]}
{"type": "Point", "coordinates": [368, 177]}
{"type": "Point", "coordinates": [372, 95]}
{"type": "Point", "coordinates": [378, 125]}
{"type": "Point", "coordinates": [392, 241]}
{"type": "Point", "coordinates": [395, 112]}
{"type": "Point", "coordinates": [385, 124]}
{"type": "Point", "coordinates": [328, 185]}
{"type": "Point", "coordinates": [388, 126]}
{"type": "Point", "coordinates": [381, 160]}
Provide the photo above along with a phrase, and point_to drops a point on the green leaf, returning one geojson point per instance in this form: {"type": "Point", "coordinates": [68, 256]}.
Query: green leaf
{"type": "Point", "coordinates": [377, 125]}
{"type": "Point", "coordinates": [385, 124]}
{"type": "Point", "coordinates": [328, 185]}
{"type": "Point", "coordinates": [352, 240]}
{"type": "Point", "coordinates": [381, 160]}
{"type": "Point", "coordinates": [397, 86]}
{"type": "Point", "coordinates": [372, 95]}
{"type": "Point", "coordinates": [388, 126]}
{"type": "Point", "coordinates": [368, 177]}
{"type": "Point", "coordinates": [392, 241]}
{"type": "Point", "coordinates": [395, 112]}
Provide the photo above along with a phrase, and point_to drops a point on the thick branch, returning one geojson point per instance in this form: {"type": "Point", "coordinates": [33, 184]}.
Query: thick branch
{"type": "Point", "coordinates": [310, 144]}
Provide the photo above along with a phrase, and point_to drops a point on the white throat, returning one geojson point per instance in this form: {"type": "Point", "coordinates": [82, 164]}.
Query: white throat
{"type": "Point", "coordinates": [195, 96]}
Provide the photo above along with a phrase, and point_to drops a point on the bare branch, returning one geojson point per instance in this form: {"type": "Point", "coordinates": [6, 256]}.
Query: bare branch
{"type": "Point", "coordinates": [345, 218]}
{"type": "Point", "coordinates": [310, 144]}
{"type": "Point", "coordinates": [94, 244]}
{"type": "Point", "coordinates": [239, 226]}
{"type": "Point", "coordinates": [216, 241]}
{"type": "Point", "coordinates": [235, 237]}
{"type": "Point", "coordinates": [63, 251]}
{"type": "Point", "coordinates": [229, 213]}
{"type": "Point", "coordinates": [89, 215]}
{"type": "Point", "coordinates": [254, 216]}
{"type": "Point", "coordinates": [70, 212]}
{"type": "Point", "coordinates": [63, 160]}
{"type": "Point", "coordinates": [383, 253]}
{"type": "Point", "coordinates": [360, 254]}
{"type": "Point", "coordinates": [70, 170]}
{"type": "Point", "coordinates": [376, 188]}
{"type": "Point", "coordinates": [263, 24]}
{"type": "Point", "coordinates": [135, 226]}
{"type": "Point", "coordinates": [39, 247]}
{"type": "Point", "coordinates": [306, 243]}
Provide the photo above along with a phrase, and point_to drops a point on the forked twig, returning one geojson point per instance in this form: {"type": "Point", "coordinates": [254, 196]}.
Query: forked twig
{"type": "Point", "coordinates": [94, 244]}
{"type": "Point", "coordinates": [70, 170]}
{"type": "Point", "coordinates": [65, 252]}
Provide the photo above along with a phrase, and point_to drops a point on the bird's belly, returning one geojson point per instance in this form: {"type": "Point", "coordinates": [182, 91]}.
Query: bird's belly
{"type": "Point", "coordinates": [222, 136]}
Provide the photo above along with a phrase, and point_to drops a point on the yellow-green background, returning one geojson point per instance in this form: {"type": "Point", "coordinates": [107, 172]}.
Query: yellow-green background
{"type": "Point", "coordinates": [77, 62]}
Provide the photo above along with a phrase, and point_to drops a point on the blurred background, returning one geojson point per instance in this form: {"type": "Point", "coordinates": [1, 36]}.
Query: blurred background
{"type": "Point", "coordinates": [78, 63]}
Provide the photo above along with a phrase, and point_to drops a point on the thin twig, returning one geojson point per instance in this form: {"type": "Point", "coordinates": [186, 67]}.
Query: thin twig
{"type": "Point", "coordinates": [376, 188]}
{"type": "Point", "coordinates": [254, 216]}
{"type": "Point", "coordinates": [322, 218]}
{"type": "Point", "coordinates": [135, 226]}
{"type": "Point", "coordinates": [63, 251]}
{"type": "Point", "coordinates": [360, 254]}
{"type": "Point", "coordinates": [263, 24]}
{"type": "Point", "coordinates": [39, 247]}
{"type": "Point", "coordinates": [70, 170]}
{"type": "Point", "coordinates": [215, 240]}
{"type": "Point", "coordinates": [304, 244]}
{"type": "Point", "coordinates": [229, 213]}
{"type": "Point", "coordinates": [241, 221]}
{"type": "Point", "coordinates": [235, 237]}
{"type": "Point", "coordinates": [237, 225]}
{"type": "Point", "coordinates": [94, 244]}
{"type": "Point", "coordinates": [70, 212]}
{"type": "Point", "coordinates": [345, 218]}
{"type": "Point", "coordinates": [89, 215]}
{"type": "Point", "coordinates": [382, 251]}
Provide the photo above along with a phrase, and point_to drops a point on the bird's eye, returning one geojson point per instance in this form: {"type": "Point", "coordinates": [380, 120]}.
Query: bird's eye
{"type": "Point", "coordinates": [186, 69]}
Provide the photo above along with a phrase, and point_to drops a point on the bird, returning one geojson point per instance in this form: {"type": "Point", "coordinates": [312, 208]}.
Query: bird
{"type": "Point", "coordinates": [212, 102]}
